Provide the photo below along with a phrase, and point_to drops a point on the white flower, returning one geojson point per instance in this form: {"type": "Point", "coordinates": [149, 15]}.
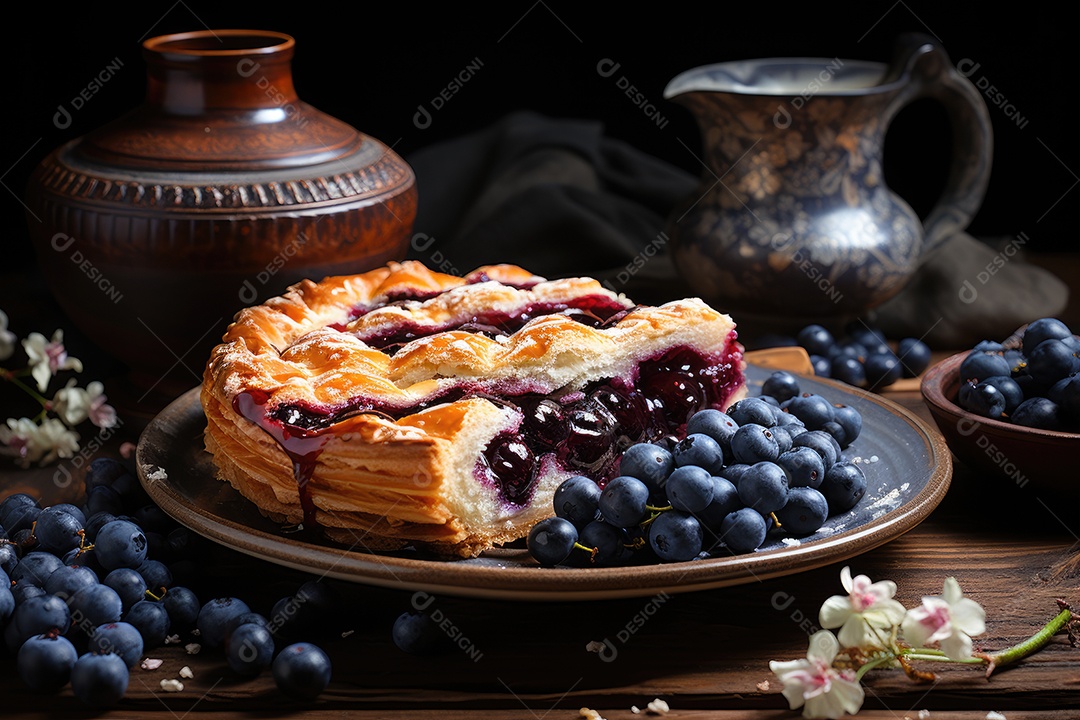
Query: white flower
{"type": "Point", "coordinates": [48, 357]}
{"type": "Point", "coordinates": [7, 338]}
{"type": "Point", "coordinates": [72, 403]}
{"type": "Point", "coordinates": [102, 415]}
{"type": "Point", "coordinates": [866, 606]}
{"type": "Point", "coordinates": [950, 620]}
{"type": "Point", "coordinates": [18, 436]}
{"type": "Point", "coordinates": [44, 443]}
{"type": "Point", "coordinates": [815, 685]}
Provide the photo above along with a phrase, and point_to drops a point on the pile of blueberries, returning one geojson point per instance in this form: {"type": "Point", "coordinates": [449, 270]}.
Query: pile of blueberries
{"type": "Point", "coordinates": [862, 356]}
{"type": "Point", "coordinates": [1035, 384]}
{"type": "Point", "coordinates": [774, 461]}
{"type": "Point", "coordinates": [86, 591]}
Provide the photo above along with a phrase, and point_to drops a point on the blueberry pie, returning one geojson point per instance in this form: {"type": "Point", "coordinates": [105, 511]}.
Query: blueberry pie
{"type": "Point", "coordinates": [405, 407]}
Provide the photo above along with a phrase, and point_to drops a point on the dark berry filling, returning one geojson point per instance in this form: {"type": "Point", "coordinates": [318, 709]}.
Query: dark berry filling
{"type": "Point", "coordinates": [585, 432]}
{"type": "Point", "coordinates": [591, 310]}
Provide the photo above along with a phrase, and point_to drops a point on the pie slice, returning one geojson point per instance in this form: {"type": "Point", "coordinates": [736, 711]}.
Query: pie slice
{"type": "Point", "coordinates": [405, 407]}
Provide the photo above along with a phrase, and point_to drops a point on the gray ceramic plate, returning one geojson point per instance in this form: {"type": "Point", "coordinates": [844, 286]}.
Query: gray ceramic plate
{"type": "Point", "coordinates": [906, 482]}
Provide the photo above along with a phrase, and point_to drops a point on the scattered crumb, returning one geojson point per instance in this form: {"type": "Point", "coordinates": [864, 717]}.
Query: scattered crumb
{"type": "Point", "coordinates": [657, 707]}
{"type": "Point", "coordinates": [196, 632]}
{"type": "Point", "coordinates": [635, 709]}
{"type": "Point", "coordinates": [924, 715]}
{"type": "Point", "coordinates": [172, 686]}
{"type": "Point", "coordinates": [874, 458]}
{"type": "Point", "coordinates": [347, 633]}
{"type": "Point", "coordinates": [994, 715]}
{"type": "Point", "coordinates": [595, 646]}
{"type": "Point", "coordinates": [151, 663]}
{"type": "Point", "coordinates": [590, 714]}
{"type": "Point", "coordinates": [763, 686]}
{"type": "Point", "coordinates": [172, 639]}
{"type": "Point", "coordinates": [791, 542]}
{"type": "Point", "coordinates": [185, 672]}
{"type": "Point", "coordinates": [158, 474]}
{"type": "Point", "coordinates": [193, 648]}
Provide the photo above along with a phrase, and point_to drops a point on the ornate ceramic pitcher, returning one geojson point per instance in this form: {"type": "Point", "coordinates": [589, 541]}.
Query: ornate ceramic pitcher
{"type": "Point", "coordinates": [793, 217]}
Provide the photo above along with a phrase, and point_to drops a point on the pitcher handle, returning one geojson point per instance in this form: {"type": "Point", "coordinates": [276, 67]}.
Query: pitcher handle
{"type": "Point", "coordinates": [922, 61]}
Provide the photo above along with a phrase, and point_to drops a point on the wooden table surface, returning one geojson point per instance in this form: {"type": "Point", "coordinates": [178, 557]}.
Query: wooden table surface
{"type": "Point", "coordinates": [1014, 550]}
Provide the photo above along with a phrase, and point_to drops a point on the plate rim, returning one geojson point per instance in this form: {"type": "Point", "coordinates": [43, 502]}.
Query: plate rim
{"type": "Point", "coordinates": [493, 581]}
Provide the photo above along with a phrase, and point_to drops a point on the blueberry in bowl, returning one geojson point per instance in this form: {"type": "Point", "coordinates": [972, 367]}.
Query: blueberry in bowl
{"type": "Point", "coordinates": [1011, 409]}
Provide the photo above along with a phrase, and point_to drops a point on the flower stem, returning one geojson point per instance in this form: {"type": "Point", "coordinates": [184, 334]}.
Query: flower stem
{"type": "Point", "coordinates": [935, 657]}
{"type": "Point", "coordinates": [871, 665]}
{"type": "Point", "coordinates": [29, 390]}
{"type": "Point", "coordinates": [1033, 644]}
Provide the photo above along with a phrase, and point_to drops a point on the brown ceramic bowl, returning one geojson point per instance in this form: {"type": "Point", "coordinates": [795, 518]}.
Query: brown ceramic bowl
{"type": "Point", "coordinates": [1027, 457]}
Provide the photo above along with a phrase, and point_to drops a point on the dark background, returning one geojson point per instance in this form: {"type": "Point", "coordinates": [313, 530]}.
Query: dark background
{"type": "Point", "coordinates": [373, 66]}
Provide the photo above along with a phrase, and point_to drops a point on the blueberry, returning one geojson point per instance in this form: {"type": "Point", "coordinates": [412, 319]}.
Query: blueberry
{"type": "Point", "coordinates": [68, 580]}
{"type": "Point", "coordinates": [1042, 330]}
{"type": "Point", "coordinates": [781, 385]}
{"type": "Point", "coordinates": [623, 501]}
{"type": "Point", "coordinates": [882, 370]}
{"type": "Point", "coordinates": [820, 442]}
{"type": "Point", "coordinates": [979, 365]}
{"type": "Point", "coordinates": [41, 614]}
{"type": "Point", "coordinates": [99, 680]}
{"type": "Point", "coordinates": [734, 472]}
{"type": "Point", "coordinates": [700, 450]}
{"type": "Point", "coordinates": [849, 349]}
{"type": "Point", "coordinates": [813, 409]}
{"type": "Point", "coordinates": [120, 543]}
{"type": "Point", "coordinates": [1050, 361]}
{"type": "Point", "coordinates": [675, 536]}
{"type": "Point", "coordinates": [821, 365]}
{"type": "Point", "coordinates": [605, 540]}
{"type": "Point", "coordinates": [764, 487]}
{"type": "Point", "coordinates": [156, 575]}
{"type": "Point", "coordinates": [7, 604]}
{"type": "Point", "coordinates": [848, 369]}
{"type": "Point", "coordinates": [102, 471]}
{"type": "Point", "coordinates": [850, 420]}
{"type": "Point", "coordinates": [95, 522]}
{"type": "Point", "coordinates": [18, 517]}
{"type": "Point", "coordinates": [690, 488]}
{"type": "Point", "coordinates": [1066, 393]}
{"type": "Point", "coordinates": [804, 467]}
{"type": "Point", "coordinates": [183, 607]}
{"type": "Point", "coordinates": [649, 463]}
{"type": "Point", "coordinates": [103, 499]}
{"type": "Point", "coordinates": [45, 661]}
{"type": "Point", "coordinates": [218, 617]}
{"type": "Point", "coordinates": [95, 605]}
{"type": "Point", "coordinates": [249, 649]}
{"type": "Point", "coordinates": [815, 339]}
{"type": "Point", "coordinates": [743, 531]}
{"type": "Point", "coordinates": [128, 584]}
{"type": "Point", "coordinates": [843, 487]}
{"type": "Point", "coordinates": [982, 398]}
{"type": "Point", "coordinates": [576, 499]}
{"type": "Point", "coordinates": [36, 567]}
{"type": "Point", "coordinates": [302, 670]}
{"type": "Point", "coordinates": [1038, 412]}
{"type": "Point", "coordinates": [725, 499]}
{"type": "Point", "coordinates": [914, 357]}
{"type": "Point", "coordinates": [119, 638]}
{"type": "Point", "coordinates": [1009, 389]}
{"type": "Point", "coordinates": [783, 438]}
{"type": "Point", "coordinates": [416, 633]}
{"type": "Point", "coordinates": [804, 512]}
{"type": "Point", "coordinates": [754, 443]}
{"type": "Point", "coordinates": [552, 539]}
{"type": "Point", "coordinates": [717, 425]}
{"type": "Point", "coordinates": [752, 410]}
{"type": "Point", "coordinates": [151, 619]}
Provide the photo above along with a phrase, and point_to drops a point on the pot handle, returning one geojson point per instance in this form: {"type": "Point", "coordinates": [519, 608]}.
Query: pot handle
{"type": "Point", "coordinates": [923, 63]}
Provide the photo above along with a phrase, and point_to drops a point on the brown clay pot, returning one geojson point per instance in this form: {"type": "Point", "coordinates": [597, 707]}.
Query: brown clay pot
{"type": "Point", "coordinates": [221, 190]}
